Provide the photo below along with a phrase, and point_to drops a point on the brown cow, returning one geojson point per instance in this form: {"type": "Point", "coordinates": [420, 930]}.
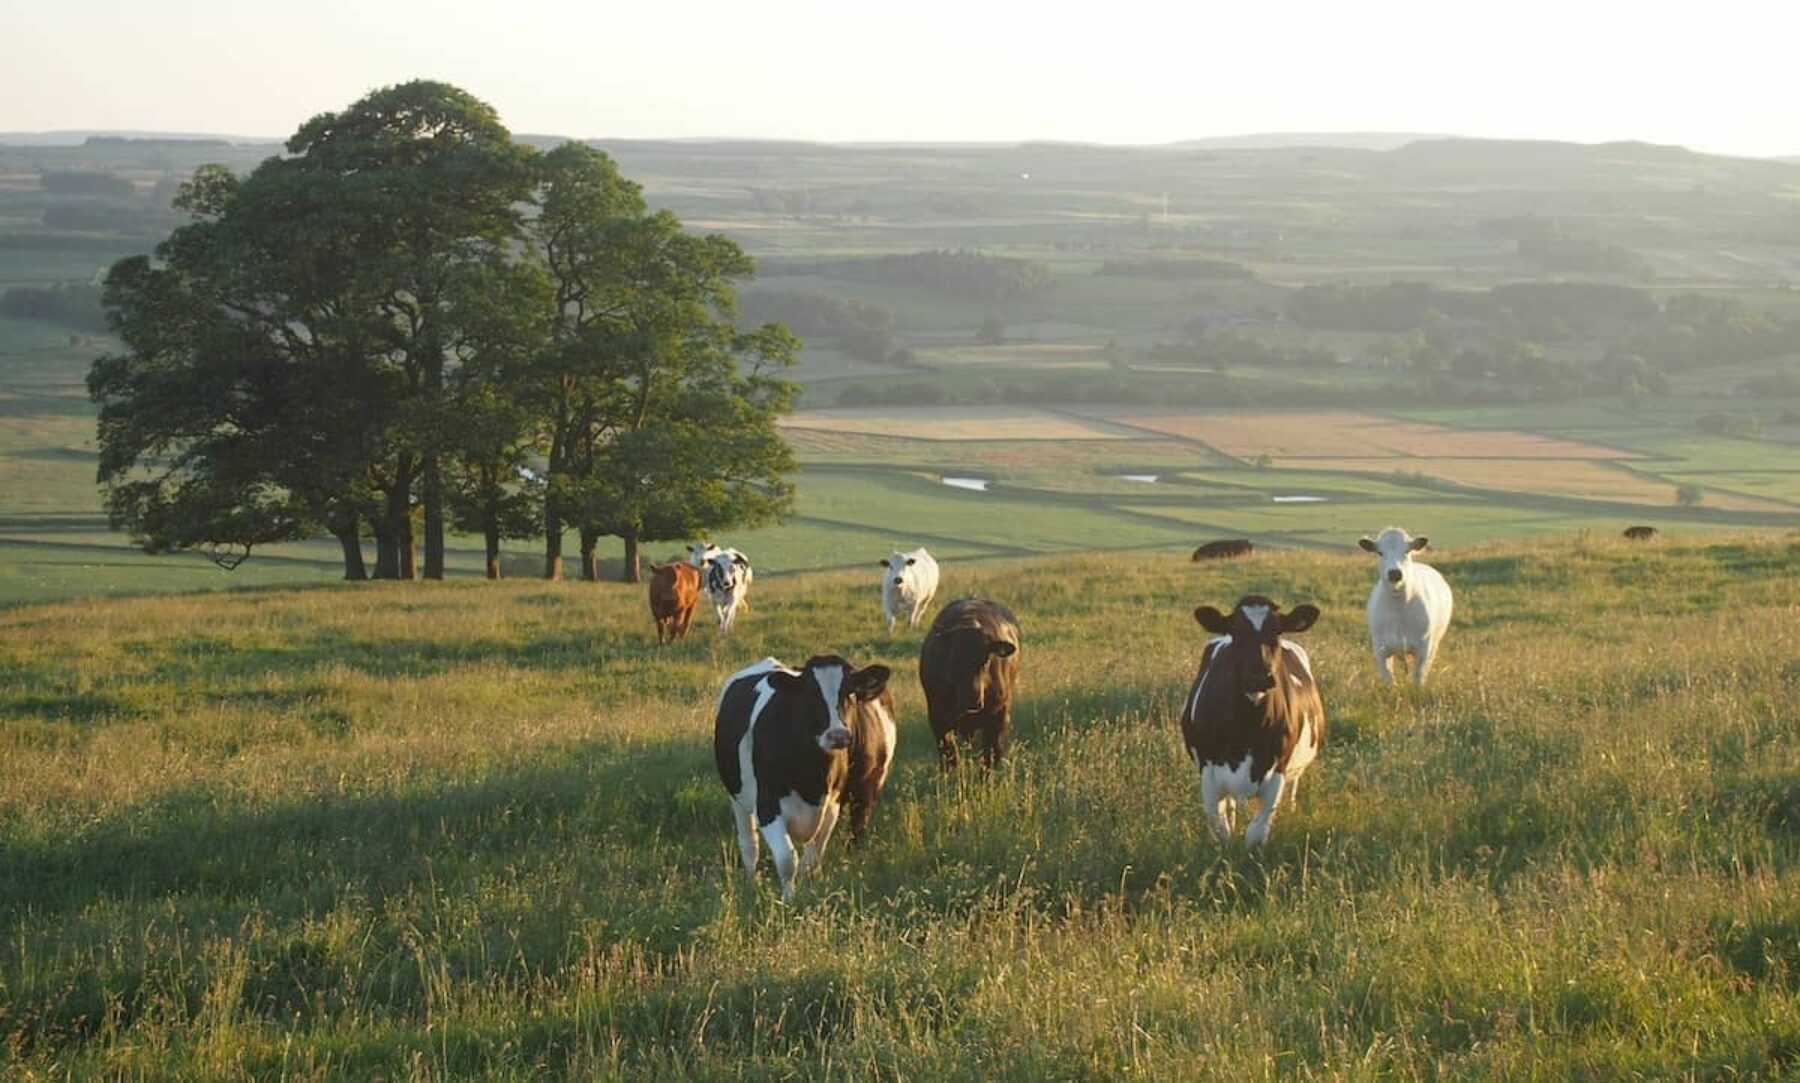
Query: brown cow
{"type": "Point", "coordinates": [1224, 547]}
{"type": "Point", "coordinates": [968, 666]}
{"type": "Point", "coordinates": [1640, 533]}
{"type": "Point", "coordinates": [1253, 720]}
{"type": "Point", "coordinates": [674, 591]}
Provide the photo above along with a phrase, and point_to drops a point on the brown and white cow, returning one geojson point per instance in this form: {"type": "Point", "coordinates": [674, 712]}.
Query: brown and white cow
{"type": "Point", "coordinates": [796, 746]}
{"type": "Point", "coordinates": [968, 666]}
{"type": "Point", "coordinates": [674, 591]}
{"type": "Point", "coordinates": [1641, 532]}
{"type": "Point", "coordinates": [1224, 547]}
{"type": "Point", "coordinates": [1253, 720]}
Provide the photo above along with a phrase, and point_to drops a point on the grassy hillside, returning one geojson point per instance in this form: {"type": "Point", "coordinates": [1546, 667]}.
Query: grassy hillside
{"type": "Point", "coordinates": [471, 830]}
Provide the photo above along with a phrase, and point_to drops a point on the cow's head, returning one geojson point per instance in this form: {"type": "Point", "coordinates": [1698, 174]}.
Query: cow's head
{"type": "Point", "coordinates": [973, 680]}
{"type": "Point", "coordinates": [827, 687]}
{"type": "Point", "coordinates": [1252, 662]}
{"type": "Point", "coordinates": [1395, 547]}
{"type": "Point", "coordinates": [700, 553]}
{"type": "Point", "coordinates": [896, 566]}
{"type": "Point", "coordinates": [725, 570]}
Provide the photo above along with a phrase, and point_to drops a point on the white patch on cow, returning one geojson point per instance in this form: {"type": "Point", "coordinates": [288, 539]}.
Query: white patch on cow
{"type": "Point", "coordinates": [891, 740]}
{"type": "Point", "coordinates": [1219, 785]}
{"type": "Point", "coordinates": [801, 817]}
{"type": "Point", "coordinates": [1256, 614]}
{"type": "Point", "coordinates": [1268, 798]}
{"type": "Point", "coordinates": [1207, 655]}
{"type": "Point", "coordinates": [1306, 747]}
{"type": "Point", "coordinates": [831, 683]}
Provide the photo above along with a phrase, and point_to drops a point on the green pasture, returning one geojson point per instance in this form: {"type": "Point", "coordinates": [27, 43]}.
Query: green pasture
{"type": "Point", "coordinates": [472, 830]}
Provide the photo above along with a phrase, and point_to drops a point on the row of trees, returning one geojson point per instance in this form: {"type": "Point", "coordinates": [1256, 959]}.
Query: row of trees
{"type": "Point", "coordinates": [412, 324]}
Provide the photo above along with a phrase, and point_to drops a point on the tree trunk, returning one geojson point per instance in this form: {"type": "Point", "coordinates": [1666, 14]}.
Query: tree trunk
{"type": "Point", "coordinates": [394, 556]}
{"type": "Point", "coordinates": [348, 538]}
{"type": "Point", "coordinates": [630, 573]}
{"type": "Point", "coordinates": [590, 565]}
{"type": "Point", "coordinates": [432, 493]}
{"type": "Point", "coordinates": [553, 524]}
{"type": "Point", "coordinates": [493, 547]}
{"type": "Point", "coordinates": [387, 549]}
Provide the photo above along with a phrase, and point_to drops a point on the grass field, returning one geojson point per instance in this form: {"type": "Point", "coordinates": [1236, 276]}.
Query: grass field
{"type": "Point", "coordinates": [471, 831]}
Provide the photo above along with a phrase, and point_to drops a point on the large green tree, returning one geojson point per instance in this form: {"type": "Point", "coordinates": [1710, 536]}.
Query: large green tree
{"type": "Point", "coordinates": [424, 188]}
{"type": "Point", "coordinates": [653, 426]}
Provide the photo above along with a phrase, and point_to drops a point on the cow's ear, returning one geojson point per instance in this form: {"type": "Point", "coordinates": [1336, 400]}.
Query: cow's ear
{"type": "Point", "coordinates": [1002, 648]}
{"type": "Point", "coordinates": [1211, 619]}
{"type": "Point", "coordinates": [740, 560]}
{"type": "Point", "coordinates": [1366, 543]}
{"type": "Point", "coordinates": [787, 682]}
{"type": "Point", "coordinates": [868, 682]}
{"type": "Point", "coordinates": [882, 562]}
{"type": "Point", "coordinates": [1418, 544]}
{"type": "Point", "coordinates": [1302, 618]}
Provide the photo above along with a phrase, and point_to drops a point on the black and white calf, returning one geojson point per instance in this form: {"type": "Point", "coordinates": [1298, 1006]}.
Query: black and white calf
{"type": "Point", "coordinates": [795, 747]}
{"type": "Point", "coordinates": [726, 575]}
{"type": "Point", "coordinates": [1253, 720]}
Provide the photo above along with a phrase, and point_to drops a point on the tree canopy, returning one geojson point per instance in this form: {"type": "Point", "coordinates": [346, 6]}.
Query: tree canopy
{"type": "Point", "coordinates": [410, 316]}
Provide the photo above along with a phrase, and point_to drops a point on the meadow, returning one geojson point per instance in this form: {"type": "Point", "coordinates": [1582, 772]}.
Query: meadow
{"type": "Point", "coordinates": [472, 831]}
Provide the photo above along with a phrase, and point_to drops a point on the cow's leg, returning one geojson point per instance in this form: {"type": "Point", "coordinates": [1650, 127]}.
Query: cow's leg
{"type": "Point", "coordinates": [747, 845]}
{"type": "Point", "coordinates": [1422, 659]}
{"type": "Point", "coordinates": [893, 619]}
{"type": "Point", "coordinates": [993, 742]}
{"type": "Point", "coordinates": [946, 742]}
{"type": "Point", "coordinates": [1381, 666]}
{"type": "Point", "coordinates": [815, 849]}
{"type": "Point", "coordinates": [1216, 804]}
{"type": "Point", "coordinates": [781, 848]}
{"type": "Point", "coordinates": [862, 802]}
{"type": "Point", "coordinates": [1269, 798]}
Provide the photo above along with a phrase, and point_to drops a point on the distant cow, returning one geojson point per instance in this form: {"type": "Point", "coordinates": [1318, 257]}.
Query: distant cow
{"type": "Point", "coordinates": [727, 578]}
{"type": "Point", "coordinates": [674, 591]}
{"type": "Point", "coordinates": [1409, 607]}
{"type": "Point", "coordinates": [1224, 547]}
{"type": "Point", "coordinates": [908, 582]}
{"type": "Point", "coordinates": [1253, 719]}
{"type": "Point", "coordinates": [1640, 533]}
{"type": "Point", "coordinates": [794, 747]}
{"type": "Point", "coordinates": [968, 666]}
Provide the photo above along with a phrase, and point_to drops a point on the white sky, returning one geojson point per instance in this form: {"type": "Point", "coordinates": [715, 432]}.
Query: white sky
{"type": "Point", "coordinates": [1719, 76]}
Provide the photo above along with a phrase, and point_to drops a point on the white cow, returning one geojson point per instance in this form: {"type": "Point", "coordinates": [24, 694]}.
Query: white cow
{"type": "Point", "coordinates": [908, 582]}
{"type": "Point", "coordinates": [1409, 609]}
{"type": "Point", "coordinates": [726, 577]}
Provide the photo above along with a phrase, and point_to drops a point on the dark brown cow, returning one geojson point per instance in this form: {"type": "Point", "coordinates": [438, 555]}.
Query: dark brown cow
{"type": "Point", "coordinates": [1253, 720]}
{"type": "Point", "coordinates": [1640, 533]}
{"type": "Point", "coordinates": [674, 591]}
{"type": "Point", "coordinates": [968, 666]}
{"type": "Point", "coordinates": [1224, 547]}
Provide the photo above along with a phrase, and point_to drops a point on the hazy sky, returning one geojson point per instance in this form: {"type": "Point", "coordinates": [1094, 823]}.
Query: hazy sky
{"type": "Point", "coordinates": [1717, 76]}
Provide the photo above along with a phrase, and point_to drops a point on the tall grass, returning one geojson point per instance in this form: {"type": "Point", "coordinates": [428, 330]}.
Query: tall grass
{"type": "Point", "coordinates": [471, 830]}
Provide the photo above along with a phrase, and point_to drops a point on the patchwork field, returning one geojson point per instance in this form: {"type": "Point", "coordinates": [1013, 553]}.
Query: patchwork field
{"type": "Point", "coordinates": [1347, 434]}
{"type": "Point", "coordinates": [957, 423]}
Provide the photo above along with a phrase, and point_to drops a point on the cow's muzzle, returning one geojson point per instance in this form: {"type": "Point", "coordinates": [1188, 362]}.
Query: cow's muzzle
{"type": "Point", "coordinates": [1394, 576]}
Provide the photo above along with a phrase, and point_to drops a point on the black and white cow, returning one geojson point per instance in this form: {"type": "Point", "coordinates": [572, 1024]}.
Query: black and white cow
{"type": "Point", "coordinates": [1253, 720]}
{"type": "Point", "coordinates": [726, 575]}
{"type": "Point", "coordinates": [796, 746]}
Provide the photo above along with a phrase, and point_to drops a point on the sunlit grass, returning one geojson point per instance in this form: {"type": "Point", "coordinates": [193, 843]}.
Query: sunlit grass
{"type": "Point", "coordinates": [471, 830]}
